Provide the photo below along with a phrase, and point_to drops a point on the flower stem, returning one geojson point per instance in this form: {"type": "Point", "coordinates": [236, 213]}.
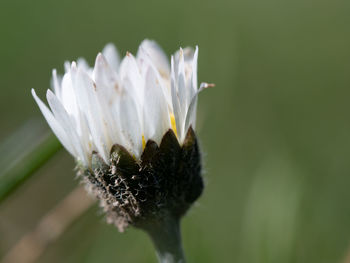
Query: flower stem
{"type": "Point", "coordinates": [166, 236]}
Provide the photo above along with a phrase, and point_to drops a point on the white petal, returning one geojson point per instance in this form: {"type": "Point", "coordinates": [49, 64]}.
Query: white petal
{"type": "Point", "coordinates": [68, 96]}
{"type": "Point", "coordinates": [187, 54]}
{"type": "Point", "coordinates": [107, 89]}
{"type": "Point", "coordinates": [191, 88]}
{"type": "Point", "coordinates": [194, 71]}
{"type": "Point", "coordinates": [156, 114]}
{"type": "Point", "coordinates": [66, 66]}
{"type": "Point", "coordinates": [82, 64]}
{"type": "Point", "coordinates": [103, 75]}
{"type": "Point", "coordinates": [129, 70]}
{"type": "Point", "coordinates": [111, 54]}
{"type": "Point", "coordinates": [55, 126]}
{"type": "Point", "coordinates": [183, 92]}
{"type": "Point", "coordinates": [85, 87]}
{"type": "Point", "coordinates": [179, 117]}
{"type": "Point", "coordinates": [68, 99]}
{"type": "Point", "coordinates": [67, 124]}
{"type": "Point", "coordinates": [192, 109]}
{"type": "Point", "coordinates": [191, 114]}
{"type": "Point", "coordinates": [129, 120]}
{"type": "Point", "coordinates": [56, 83]}
{"type": "Point", "coordinates": [157, 55]}
{"type": "Point", "coordinates": [145, 62]}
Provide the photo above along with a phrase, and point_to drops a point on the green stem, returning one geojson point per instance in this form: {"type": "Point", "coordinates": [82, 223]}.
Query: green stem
{"type": "Point", "coordinates": [166, 237]}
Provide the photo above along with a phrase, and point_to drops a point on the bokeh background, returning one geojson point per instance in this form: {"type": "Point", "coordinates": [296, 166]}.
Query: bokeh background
{"type": "Point", "coordinates": [275, 131]}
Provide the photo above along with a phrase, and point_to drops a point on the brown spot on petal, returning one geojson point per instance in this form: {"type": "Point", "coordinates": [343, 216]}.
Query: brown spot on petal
{"type": "Point", "coordinates": [116, 86]}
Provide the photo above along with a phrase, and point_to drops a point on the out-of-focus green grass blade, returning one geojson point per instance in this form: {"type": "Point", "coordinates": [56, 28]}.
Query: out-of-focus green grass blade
{"type": "Point", "coordinates": [24, 152]}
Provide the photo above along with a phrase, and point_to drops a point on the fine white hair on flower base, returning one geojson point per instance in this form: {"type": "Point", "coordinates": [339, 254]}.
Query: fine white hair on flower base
{"type": "Point", "coordinates": [126, 102]}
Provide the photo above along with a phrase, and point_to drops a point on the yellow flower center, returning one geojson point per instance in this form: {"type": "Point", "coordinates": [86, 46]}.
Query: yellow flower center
{"type": "Point", "coordinates": [173, 123]}
{"type": "Point", "coordinates": [143, 142]}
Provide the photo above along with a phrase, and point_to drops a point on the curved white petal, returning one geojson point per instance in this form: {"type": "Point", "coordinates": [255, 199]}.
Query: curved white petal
{"type": "Point", "coordinates": [66, 66]}
{"type": "Point", "coordinates": [145, 62]}
{"type": "Point", "coordinates": [177, 110]}
{"type": "Point", "coordinates": [157, 55]}
{"type": "Point", "coordinates": [87, 102]}
{"type": "Point", "coordinates": [103, 74]}
{"type": "Point", "coordinates": [67, 124]}
{"type": "Point", "coordinates": [56, 83]}
{"type": "Point", "coordinates": [194, 72]}
{"type": "Point", "coordinates": [155, 113]}
{"type": "Point", "coordinates": [55, 125]}
{"type": "Point", "coordinates": [192, 95]}
{"type": "Point", "coordinates": [111, 54]}
{"type": "Point", "coordinates": [183, 93]}
{"type": "Point", "coordinates": [130, 71]}
{"type": "Point", "coordinates": [82, 64]}
{"type": "Point", "coordinates": [107, 91]}
{"type": "Point", "coordinates": [191, 112]}
{"type": "Point", "coordinates": [188, 53]}
{"type": "Point", "coordinates": [67, 95]}
{"type": "Point", "coordinates": [130, 120]}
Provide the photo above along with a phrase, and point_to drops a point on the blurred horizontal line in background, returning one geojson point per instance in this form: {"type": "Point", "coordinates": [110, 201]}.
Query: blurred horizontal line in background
{"type": "Point", "coordinates": [31, 246]}
{"type": "Point", "coordinates": [23, 152]}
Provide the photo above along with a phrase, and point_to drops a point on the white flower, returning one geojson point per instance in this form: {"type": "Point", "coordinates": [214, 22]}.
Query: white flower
{"type": "Point", "coordinates": [126, 102]}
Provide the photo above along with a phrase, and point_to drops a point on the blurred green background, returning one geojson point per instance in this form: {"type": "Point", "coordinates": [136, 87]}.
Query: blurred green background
{"type": "Point", "coordinates": [275, 131]}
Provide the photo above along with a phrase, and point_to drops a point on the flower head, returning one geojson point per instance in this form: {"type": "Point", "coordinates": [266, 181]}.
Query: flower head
{"type": "Point", "coordinates": [130, 124]}
{"type": "Point", "coordinates": [125, 102]}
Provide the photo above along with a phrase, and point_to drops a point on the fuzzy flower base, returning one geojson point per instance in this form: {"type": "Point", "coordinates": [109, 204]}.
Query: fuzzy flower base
{"type": "Point", "coordinates": [164, 182]}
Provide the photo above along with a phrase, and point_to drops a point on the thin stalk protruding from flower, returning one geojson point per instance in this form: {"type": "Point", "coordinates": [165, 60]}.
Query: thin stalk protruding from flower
{"type": "Point", "coordinates": [166, 237]}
